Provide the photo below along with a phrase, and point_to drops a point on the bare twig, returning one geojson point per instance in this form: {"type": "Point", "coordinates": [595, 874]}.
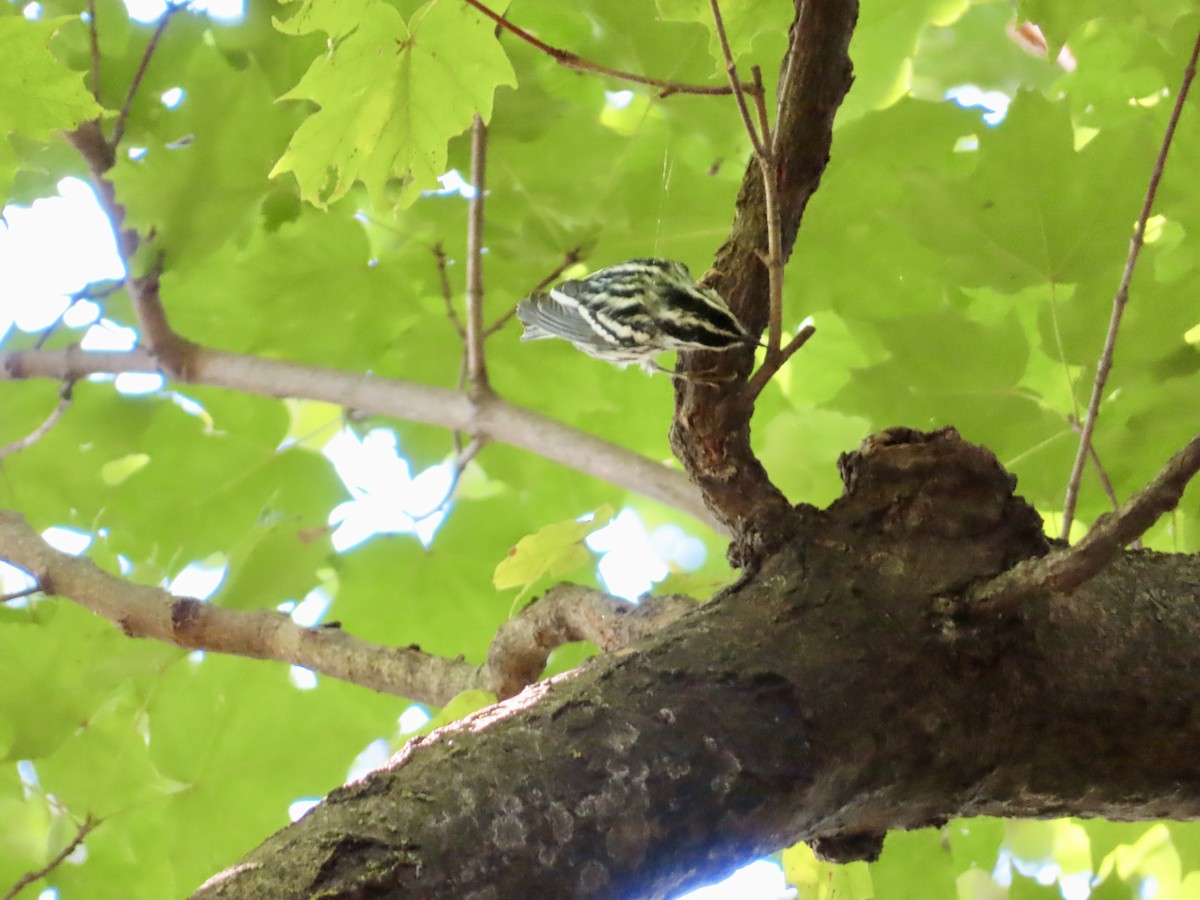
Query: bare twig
{"type": "Point", "coordinates": [94, 47]}
{"type": "Point", "coordinates": [1101, 472]}
{"type": "Point", "coordinates": [18, 595]}
{"type": "Point", "coordinates": [490, 418]}
{"type": "Point", "coordinates": [447, 294]}
{"type": "Point", "coordinates": [764, 153]}
{"type": "Point", "coordinates": [476, 363]}
{"type": "Point", "coordinates": [770, 366]}
{"type": "Point", "coordinates": [1104, 366]}
{"type": "Point", "coordinates": [737, 88]}
{"type": "Point", "coordinates": [131, 93]}
{"type": "Point", "coordinates": [81, 832]}
{"type": "Point", "coordinates": [64, 400]}
{"type": "Point", "coordinates": [567, 613]}
{"type": "Point", "coordinates": [573, 256]}
{"type": "Point", "coordinates": [462, 456]}
{"type": "Point", "coordinates": [1064, 570]}
{"type": "Point", "coordinates": [573, 61]}
{"type": "Point", "coordinates": [88, 293]}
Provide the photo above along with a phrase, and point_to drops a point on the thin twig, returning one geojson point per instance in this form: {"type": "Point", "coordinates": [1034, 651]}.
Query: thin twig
{"type": "Point", "coordinates": [461, 458]}
{"type": "Point", "coordinates": [574, 61]}
{"type": "Point", "coordinates": [770, 175]}
{"type": "Point", "coordinates": [770, 366]}
{"type": "Point", "coordinates": [64, 400]}
{"type": "Point", "coordinates": [1101, 472]}
{"type": "Point", "coordinates": [735, 84]}
{"type": "Point", "coordinates": [447, 297]}
{"type": "Point", "coordinates": [1104, 366]}
{"type": "Point", "coordinates": [24, 592]}
{"type": "Point", "coordinates": [573, 256]}
{"type": "Point", "coordinates": [1064, 570]}
{"type": "Point", "coordinates": [87, 293]}
{"type": "Point", "coordinates": [123, 116]}
{"type": "Point", "coordinates": [81, 832]}
{"type": "Point", "coordinates": [764, 152]}
{"type": "Point", "coordinates": [476, 363]}
{"type": "Point", "coordinates": [94, 46]}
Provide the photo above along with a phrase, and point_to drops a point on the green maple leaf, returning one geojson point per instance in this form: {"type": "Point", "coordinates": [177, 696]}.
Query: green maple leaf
{"type": "Point", "coordinates": [391, 95]}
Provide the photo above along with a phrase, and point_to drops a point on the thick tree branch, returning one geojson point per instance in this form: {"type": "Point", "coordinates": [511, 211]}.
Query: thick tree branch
{"type": "Point", "coordinates": [489, 418]}
{"type": "Point", "coordinates": [1064, 570]}
{"type": "Point", "coordinates": [711, 430]}
{"type": "Point", "coordinates": [652, 770]}
{"type": "Point", "coordinates": [1104, 366]}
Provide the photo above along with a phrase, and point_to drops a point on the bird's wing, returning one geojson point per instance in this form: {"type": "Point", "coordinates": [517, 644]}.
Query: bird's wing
{"type": "Point", "coordinates": [544, 317]}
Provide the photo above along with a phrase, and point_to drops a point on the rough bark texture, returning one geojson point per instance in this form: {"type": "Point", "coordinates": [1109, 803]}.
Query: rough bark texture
{"type": "Point", "coordinates": [711, 430]}
{"type": "Point", "coordinates": [843, 690]}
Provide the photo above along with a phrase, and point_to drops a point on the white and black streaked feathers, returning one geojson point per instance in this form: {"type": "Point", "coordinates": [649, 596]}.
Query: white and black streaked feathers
{"type": "Point", "coordinates": [632, 312]}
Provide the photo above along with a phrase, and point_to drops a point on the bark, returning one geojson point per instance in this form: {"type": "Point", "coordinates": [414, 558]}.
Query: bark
{"type": "Point", "coordinates": [848, 687]}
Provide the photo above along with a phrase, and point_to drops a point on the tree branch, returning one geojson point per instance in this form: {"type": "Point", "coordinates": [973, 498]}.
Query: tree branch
{"type": "Point", "coordinates": [1064, 570]}
{"type": "Point", "coordinates": [64, 401]}
{"type": "Point", "coordinates": [81, 832]}
{"type": "Point", "coordinates": [573, 61]}
{"type": "Point", "coordinates": [136, 82]}
{"type": "Point", "coordinates": [447, 294]}
{"type": "Point", "coordinates": [711, 429]}
{"type": "Point", "coordinates": [476, 363]}
{"type": "Point", "coordinates": [516, 658]}
{"type": "Point", "coordinates": [1104, 366]}
{"type": "Point", "coordinates": [572, 612]}
{"type": "Point", "coordinates": [572, 256]}
{"type": "Point", "coordinates": [490, 418]}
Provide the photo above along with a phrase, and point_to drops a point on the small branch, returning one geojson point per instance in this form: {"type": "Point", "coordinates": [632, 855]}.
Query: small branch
{"type": "Point", "coordinates": [131, 93]}
{"type": "Point", "coordinates": [447, 294]}
{"type": "Point", "coordinates": [64, 400]}
{"type": "Point", "coordinates": [17, 595]}
{"type": "Point", "coordinates": [1101, 472]}
{"type": "Point", "coordinates": [462, 456]}
{"type": "Point", "coordinates": [573, 256]}
{"type": "Point", "coordinates": [767, 370]}
{"type": "Point", "coordinates": [570, 612]}
{"type": "Point", "coordinates": [81, 832]}
{"type": "Point", "coordinates": [172, 352]}
{"type": "Point", "coordinates": [572, 61]}
{"type": "Point", "coordinates": [1104, 366]}
{"type": "Point", "coordinates": [1064, 570]}
{"type": "Point", "coordinates": [490, 419]}
{"type": "Point", "coordinates": [735, 83]}
{"type": "Point", "coordinates": [764, 153]}
{"type": "Point", "coordinates": [476, 363]}
{"type": "Point", "coordinates": [94, 47]}
{"type": "Point", "coordinates": [143, 611]}
{"type": "Point", "coordinates": [517, 656]}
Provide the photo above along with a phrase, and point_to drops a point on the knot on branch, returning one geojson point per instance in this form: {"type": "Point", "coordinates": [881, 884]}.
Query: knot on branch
{"type": "Point", "coordinates": [935, 484]}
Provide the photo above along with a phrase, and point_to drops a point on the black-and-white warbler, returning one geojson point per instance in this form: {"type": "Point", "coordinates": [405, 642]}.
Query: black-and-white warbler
{"type": "Point", "coordinates": [632, 312]}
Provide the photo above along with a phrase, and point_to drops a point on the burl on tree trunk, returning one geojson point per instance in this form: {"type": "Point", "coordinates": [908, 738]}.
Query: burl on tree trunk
{"type": "Point", "coordinates": [847, 687]}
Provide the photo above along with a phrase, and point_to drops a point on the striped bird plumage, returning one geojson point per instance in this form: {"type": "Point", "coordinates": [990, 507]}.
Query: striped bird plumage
{"type": "Point", "coordinates": [633, 311]}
